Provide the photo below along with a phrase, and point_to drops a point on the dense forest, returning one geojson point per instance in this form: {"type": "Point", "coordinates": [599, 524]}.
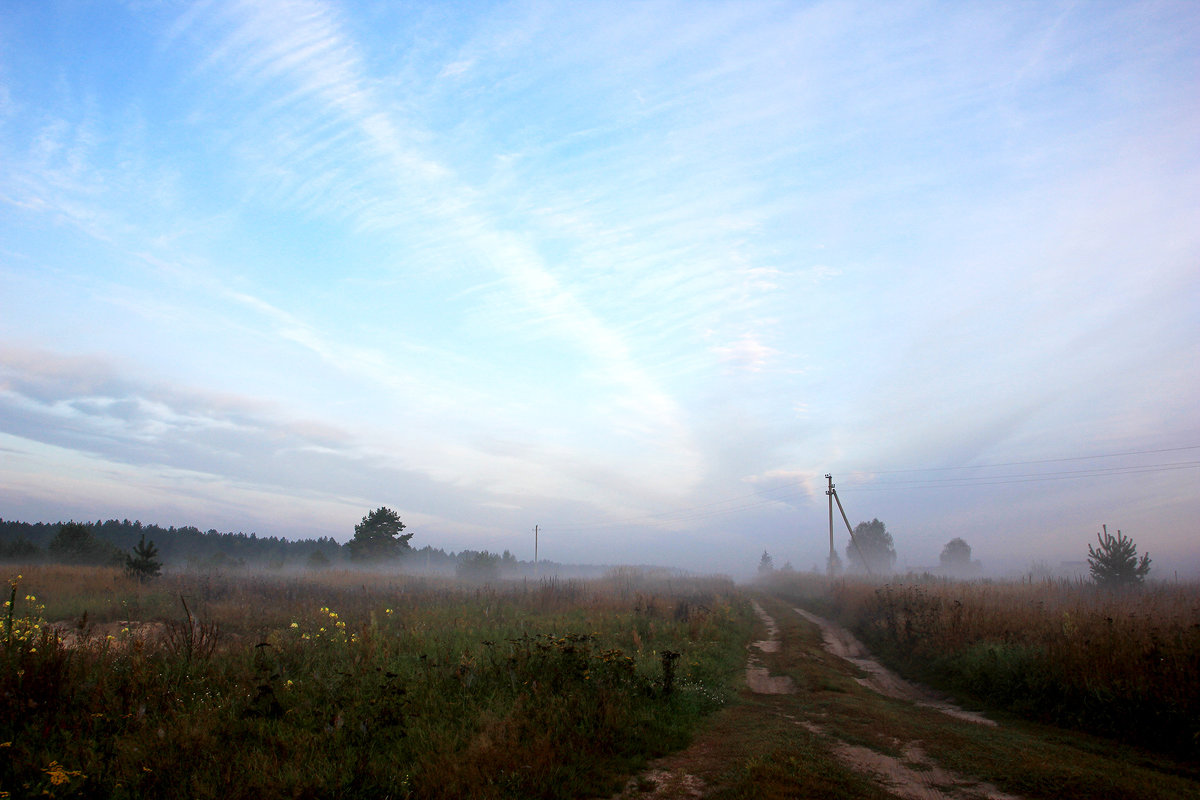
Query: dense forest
{"type": "Point", "coordinates": [188, 547]}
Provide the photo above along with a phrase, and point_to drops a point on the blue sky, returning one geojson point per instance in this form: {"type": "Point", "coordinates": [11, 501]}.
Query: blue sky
{"type": "Point", "coordinates": [641, 274]}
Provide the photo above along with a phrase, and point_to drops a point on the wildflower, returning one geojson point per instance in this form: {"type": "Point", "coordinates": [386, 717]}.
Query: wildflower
{"type": "Point", "coordinates": [387, 611]}
{"type": "Point", "coordinates": [30, 598]}
{"type": "Point", "coordinates": [59, 775]}
{"type": "Point", "coordinates": [295, 624]}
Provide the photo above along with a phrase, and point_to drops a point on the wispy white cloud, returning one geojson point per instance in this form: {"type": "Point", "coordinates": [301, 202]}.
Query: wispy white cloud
{"type": "Point", "coordinates": [608, 264]}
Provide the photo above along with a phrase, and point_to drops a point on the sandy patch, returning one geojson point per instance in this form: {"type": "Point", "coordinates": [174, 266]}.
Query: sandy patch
{"type": "Point", "coordinates": [914, 776]}
{"type": "Point", "coordinates": [663, 784]}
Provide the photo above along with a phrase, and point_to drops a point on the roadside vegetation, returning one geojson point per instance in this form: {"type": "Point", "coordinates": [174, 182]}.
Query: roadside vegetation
{"type": "Point", "coordinates": [834, 731]}
{"type": "Point", "coordinates": [340, 684]}
{"type": "Point", "coordinates": [1119, 662]}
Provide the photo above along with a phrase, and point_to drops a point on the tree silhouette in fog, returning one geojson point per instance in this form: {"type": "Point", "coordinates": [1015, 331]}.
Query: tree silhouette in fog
{"type": "Point", "coordinates": [871, 549]}
{"type": "Point", "coordinates": [1115, 562]}
{"type": "Point", "coordinates": [379, 536]}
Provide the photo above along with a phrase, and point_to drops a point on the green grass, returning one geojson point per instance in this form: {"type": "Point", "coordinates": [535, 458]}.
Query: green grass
{"type": "Point", "coordinates": [1018, 756]}
{"type": "Point", "coordinates": [354, 685]}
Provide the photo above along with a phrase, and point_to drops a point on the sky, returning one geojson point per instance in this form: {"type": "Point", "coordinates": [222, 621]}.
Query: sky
{"type": "Point", "coordinates": [640, 274]}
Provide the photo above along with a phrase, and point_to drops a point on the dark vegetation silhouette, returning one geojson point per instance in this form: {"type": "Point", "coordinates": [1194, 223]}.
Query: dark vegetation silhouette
{"type": "Point", "coordinates": [379, 537]}
{"type": "Point", "coordinates": [113, 542]}
{"type": "Point", "coordinates": [1115, 562]}
{"type": "Point", "coordinates": [108, 542]}
{"type": "Point", "coordinates": [75, 544]}
{"type": "Point", "coordinates": [871, 549]}
{"type": "Point", "coordinates": [143, 562]}
{"type": "Point", "coordinates": [956, 560]}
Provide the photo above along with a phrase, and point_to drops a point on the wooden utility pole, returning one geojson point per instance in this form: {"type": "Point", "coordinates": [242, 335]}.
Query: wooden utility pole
{"type": "Point", "coordinates": [833, 495]}
{"type": "Point", "coordinates": [832, 552]}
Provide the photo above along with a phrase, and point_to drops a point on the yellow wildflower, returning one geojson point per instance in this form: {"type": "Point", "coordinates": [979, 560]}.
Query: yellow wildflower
{"type": "Point", "coordinates": [59, 775]}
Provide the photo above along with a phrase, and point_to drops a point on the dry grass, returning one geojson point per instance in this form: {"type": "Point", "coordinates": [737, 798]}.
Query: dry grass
{"type": "Point", "coordinates": [1123, 664]}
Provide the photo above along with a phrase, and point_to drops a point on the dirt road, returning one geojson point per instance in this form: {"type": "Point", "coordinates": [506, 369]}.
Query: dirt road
{"type": "Point", "coordinates": [820, 717]}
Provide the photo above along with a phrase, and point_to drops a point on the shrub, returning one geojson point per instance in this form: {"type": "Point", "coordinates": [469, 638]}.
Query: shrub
{"type": "Point", "coordinates": [1115, 562]}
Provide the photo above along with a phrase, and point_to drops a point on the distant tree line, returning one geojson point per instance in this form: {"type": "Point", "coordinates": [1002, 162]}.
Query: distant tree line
{"type": "Point", "coordinates": [108, 541]}
{"type": "Point", "coordinates": [142, 548]}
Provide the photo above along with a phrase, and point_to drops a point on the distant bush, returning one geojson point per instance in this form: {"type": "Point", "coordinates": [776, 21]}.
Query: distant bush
{"type": "Point", "coordinates": [477, 565]}
{"type": "Point", "coordinates": [75, 544]}
{"type": "Point", "coordinates": [20, 549]}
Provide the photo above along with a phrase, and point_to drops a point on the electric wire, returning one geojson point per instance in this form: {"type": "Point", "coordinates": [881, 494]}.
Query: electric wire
{"type": "Point", "coordinates": [759, 499]}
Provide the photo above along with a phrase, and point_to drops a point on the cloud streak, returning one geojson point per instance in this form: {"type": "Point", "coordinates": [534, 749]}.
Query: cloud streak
{"type": "Point", "coordinates": [597, 264]}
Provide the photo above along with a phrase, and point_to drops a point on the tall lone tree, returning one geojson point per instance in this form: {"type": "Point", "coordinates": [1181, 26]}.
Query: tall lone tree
{"type": "Point", "coordinates": [871, 548]}
{"type": "Point", "coordinates": [379, 537]}
{"type": "Point", "coordinates": [1115, 562]}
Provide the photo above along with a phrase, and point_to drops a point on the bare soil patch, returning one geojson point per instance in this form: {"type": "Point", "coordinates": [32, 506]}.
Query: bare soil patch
{"type": "Point", "coordinates": [915, 776]}
{"type": "Point", "coordinates": [111, 634]}
{"type": "Point", "coordinates": [758, 677]}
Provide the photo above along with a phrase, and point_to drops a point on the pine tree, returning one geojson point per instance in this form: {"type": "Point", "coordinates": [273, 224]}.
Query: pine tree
{"type": "Point", "coordinates": [1115, 562]}
{"type": "Point", "coordinates": [379, 536]}
{"type": "Point", "coordinates": [143, 564]}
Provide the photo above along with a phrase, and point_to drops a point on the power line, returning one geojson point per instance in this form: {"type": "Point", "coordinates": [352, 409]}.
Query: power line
{"type": "Point", "coordinates": [1000, 480]}
{"type": "Point", "coordinates": [764, 497]}
{"type": "Point", "coordinates": [1040, 461]}
{"type": "Point", "coordinates": [1034, 475]}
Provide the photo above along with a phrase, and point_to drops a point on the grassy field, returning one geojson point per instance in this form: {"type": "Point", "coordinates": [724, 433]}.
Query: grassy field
{"type": "Point", "coordinates": [354, 684]}
{"type": "Point", "coordinates": [1118, 664]}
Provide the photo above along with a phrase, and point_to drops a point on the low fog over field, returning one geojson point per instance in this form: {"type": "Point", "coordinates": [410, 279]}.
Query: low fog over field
{"type": "Point", "coordinates": [640, 275]}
